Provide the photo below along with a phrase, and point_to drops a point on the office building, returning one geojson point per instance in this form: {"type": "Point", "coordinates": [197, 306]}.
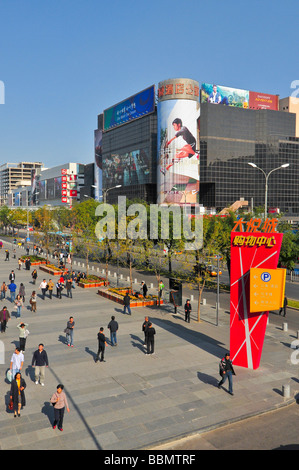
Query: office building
{"type": "Point", "coordinates": [14, 175]}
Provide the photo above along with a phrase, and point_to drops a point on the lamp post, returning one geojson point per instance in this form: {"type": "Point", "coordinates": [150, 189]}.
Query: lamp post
{"type": "Point", "coordinates": [266, 175]}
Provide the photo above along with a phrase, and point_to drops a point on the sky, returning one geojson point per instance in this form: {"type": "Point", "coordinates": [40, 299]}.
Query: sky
{"type": "Point", "coordinates": [62, 62]}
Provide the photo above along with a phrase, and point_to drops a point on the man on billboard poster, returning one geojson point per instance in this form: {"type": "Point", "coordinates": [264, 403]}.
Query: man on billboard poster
{"type": "Point", "coordinates": [187, 150]}
{"type": "Point", "coordinates": [216, 98]}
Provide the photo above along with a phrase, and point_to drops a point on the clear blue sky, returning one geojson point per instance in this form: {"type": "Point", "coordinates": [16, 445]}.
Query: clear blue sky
{"type": "Point", "coordinates": [64, 61]}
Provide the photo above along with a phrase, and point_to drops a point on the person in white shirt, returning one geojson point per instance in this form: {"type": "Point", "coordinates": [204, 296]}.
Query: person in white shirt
{"type": "Point", "coordinates": [16, 362]}
{"type": "Point", "coordinates": [43, 287]}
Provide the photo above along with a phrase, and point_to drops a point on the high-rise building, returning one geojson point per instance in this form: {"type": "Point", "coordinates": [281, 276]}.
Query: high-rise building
{"type": "Point", "coordinates": [291, 105]}
{"type": "Point", "coordinates": [13, 175]}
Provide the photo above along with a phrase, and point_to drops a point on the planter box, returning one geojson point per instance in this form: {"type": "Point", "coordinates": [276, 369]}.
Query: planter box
{"type": "Point", "coordinates": [35, 263]}
{"type": "Point", "coordinates": [93, 284]}
{"type": "Point", "coordinates": [134, 303]}
{"type": "Point", "coordinates": [53, 272]}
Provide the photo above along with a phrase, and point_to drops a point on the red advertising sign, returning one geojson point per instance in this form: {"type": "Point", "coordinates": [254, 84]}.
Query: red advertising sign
{"type": "Point", "coordinates": [250, 249]}
{"type": "Point", "coordinates": [73, 193]}
{"type": "Point", "coordinates": [64, 199]}
{"type": "Point", "coordinates": [64, 178]}
{"type": "Point", "coordinates": [64, 171]}
{"type": "Point", "coordinates": [64, 185]}
{"type": "Point", "coordinates": [64, 192]}
{"type": "Point", "coordinates": [263, 101]}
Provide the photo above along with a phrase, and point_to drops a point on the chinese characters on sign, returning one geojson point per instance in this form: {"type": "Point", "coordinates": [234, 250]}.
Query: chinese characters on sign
{"type": "Point", "coordinates": [175, 88]}
{"type": "Point", "coordinates": [255, 225]}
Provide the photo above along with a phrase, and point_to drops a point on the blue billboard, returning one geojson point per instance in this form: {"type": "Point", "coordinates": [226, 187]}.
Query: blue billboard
{"type": "Point", "coordinates": [132, 108]}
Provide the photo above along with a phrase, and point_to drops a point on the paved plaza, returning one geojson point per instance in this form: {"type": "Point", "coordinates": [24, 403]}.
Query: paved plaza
{"type": "Point", "coordinates": [132, 401]}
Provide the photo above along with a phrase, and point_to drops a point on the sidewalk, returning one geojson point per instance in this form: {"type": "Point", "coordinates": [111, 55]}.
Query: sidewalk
{"type": "Point", "coordinates": [133, 401]}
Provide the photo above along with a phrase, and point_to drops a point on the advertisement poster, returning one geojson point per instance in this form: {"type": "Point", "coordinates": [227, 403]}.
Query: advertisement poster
{"type": "Point", "coordinates": [178, 154]}
{"type": "Point", "coordinates": [127, 169]}
{"type": "Point", "coordinates": [132, 108]}
{"type": "Point", "coordinates": [218, 94]}
{"type": "Point", "coordinates": [263, 101]}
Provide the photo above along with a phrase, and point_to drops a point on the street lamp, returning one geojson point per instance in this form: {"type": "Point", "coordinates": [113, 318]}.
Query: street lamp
{"type": "Point", "coordinates": [266, 175]}
{"type": "Point", "coordinates": [105, 191]}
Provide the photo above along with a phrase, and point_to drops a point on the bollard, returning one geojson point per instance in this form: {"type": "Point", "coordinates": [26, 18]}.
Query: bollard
{"type": "Point", "coordinates": [152, 285]}
{"type": "Point", "coordinates": [121, 276]}
{"type": "Point", "coordinates": [204, 301]}
{"type": "Point", "coordinates": [285, 327]}
{"type": "Point", "coordinates": [286, 391]}
{"type": "Point", "coordinates": [103, 271]}
{"type": "Point", "coordinates": [192, 298]}
{"type": "Point", "coordinates": [135, 281]}
{"type": "Point", "coordinates": [298, 334]}
{"type": "Point", "coordinates": [108, 273]}
{"type": "Point", "coordinates": [128, 278]}
{"type": "Point", "coordinates": [114, 274]}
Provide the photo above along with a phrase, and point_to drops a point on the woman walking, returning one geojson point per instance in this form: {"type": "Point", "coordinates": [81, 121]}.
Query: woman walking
{"type": "Point", "coordinates": [17, 394]}
{"type": "Point", "coordinates": [19, 304]}
{"type": "Point", "coordinates": [34, 276]}
{"type": "Point", "coordinates": [32, 301]}
{"type": "Point", "coordinates": [4, 317]}
{"type": "Point", "coordinates": [22, 291]}
{"type": "Point", "coordinates": [59, 402]}
{"type": "Point", "coordinates": [23, 333]}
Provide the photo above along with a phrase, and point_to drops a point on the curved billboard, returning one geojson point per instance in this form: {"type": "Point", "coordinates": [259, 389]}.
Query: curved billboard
{"type": "Point", "coordinates": [178, 142]}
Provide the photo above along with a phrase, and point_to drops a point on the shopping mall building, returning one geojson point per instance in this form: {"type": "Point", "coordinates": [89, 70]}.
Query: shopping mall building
{"type": "Point", "coordinates": [188, 143]}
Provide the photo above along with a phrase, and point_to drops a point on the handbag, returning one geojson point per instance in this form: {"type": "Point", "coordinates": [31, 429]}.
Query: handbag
{"type": "Point", "coordinates": [10, 405]}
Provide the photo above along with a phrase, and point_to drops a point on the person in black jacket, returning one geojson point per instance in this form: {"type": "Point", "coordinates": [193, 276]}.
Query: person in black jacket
{"type": "Point", "coordinates": [113, 327]}
{"type": "Point", "coordinates": [40, 362]}
{"type": "Point", "coordinates": [17, 394]}
{"type": "Point", "coordinates": [284, 308]}
{"type": "Point", "coordinates": [150, 338]}
{"type": "Point", "coordinates": [102, 344]}
{"type": "Point", "coordinates": [226, 371]}
{"type": "Point", "coordinates": [188, 309]}
{"type": "Point", "coordinates": [144, 328]}
{"type": "Point", "coordinates": [127, 303]}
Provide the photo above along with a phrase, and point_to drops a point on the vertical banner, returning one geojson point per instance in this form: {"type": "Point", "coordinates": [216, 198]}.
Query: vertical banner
{"type": "Point", "coordinates": [250, 253]}
{"type": "Point", "coordinates": [178, 142]}
{"type": "Point", "coordinates": [98, 135]}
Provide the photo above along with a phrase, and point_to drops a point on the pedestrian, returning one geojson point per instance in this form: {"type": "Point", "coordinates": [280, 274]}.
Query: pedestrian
{"type": "Point", "coordinates": [58, 289]}
{"type": "Point", "coordinates": [19, 305]}
{"type": "Point", "coordinates": [188, 309]}
{"type": "Point", "coordinates": [50, 288]}
{"type": "Point", "coordinates": [34, 276]}
{"type": "Point", "coordinates": [19, 264]}
{"type": "Point", "coordinates": [16, 362]}
{"type": "Point", "coordinates": [59, 402]}
{"type": "Point", "coordinates": [32, 301]}
{"type": "Point", "coordinates": [144, 289]}
{"type": "Point", "coordinates": [284, 307]}
{"type": "Point", "coordinates": [101, 346]}
{"type": "Point", "coordinates": [70, 332]}
{"type": "Point", "coordinates": [12, 288]}
{"type": "Point", "coordinates": [6, 255]}
{"type": "Point", "coordinates": [161, 288]}
{"type": "Point", "coordinates": [12, 276]}
{"type": "Point", "coordinates": [127, 303]}
{"type": "Point", "coordinates": [43, 288]}
{"type": "Point", "coordinates": [28, 264]}
{"type": "Point", "coordinates": [113, 327]}
{"type": "Point", "coordinates": [144, 328]}
{"type": "Point", "coordinates": [4, 317]}
{"type": "Point", "coordinates": [150, 338]}
{"type": "Point", "coordinates": [23, 333]}
{"type": "Point", "coordinates": [17, 394]}
{"type": "Point", "coordinates": [3, 290]}
{"type": "Point", "coordinates": [40, 362]}
{"type": "Point", "coordinates": [22, 291]}
{"type": "Point", "coordinates": [226, 370]}
{"type": "Point", "coordinates": [69, 286]}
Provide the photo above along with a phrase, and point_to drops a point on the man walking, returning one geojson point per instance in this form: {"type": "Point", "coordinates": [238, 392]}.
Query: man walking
{"type": "Point", "coordinates": [40, 362]}
{"type": "Point", "coordinates": [284, 307]}
{"type": "Point", "coordinates": [12, 287]}
{"type": "Point", "coordinates": [144, 289]}
{"type": "Point", "coordinates": [101, 347]}
{"type": "Point", "coordinates": [16, 362]}
{"type": "Point", "coordinates": [127, 304]}
{"type": "Point", "coordinates": [43, 288]}
{"type": "Point", "coordinates": [113, 327]}
{"type": "Point", "coordinates": [150, 339]}
{"type": "Point", "coordinates": [4, 317]}
{"type": "Point", "coordinates": [69, 286]}
{"type": "Point", "coordinates": [226, 371]}
{"type": "Point", "coordinates": [50, 288]}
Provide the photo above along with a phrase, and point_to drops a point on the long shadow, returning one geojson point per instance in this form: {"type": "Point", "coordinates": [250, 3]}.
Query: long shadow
{"type": "Point", "coordinates": [76, 407]}
{"type": "Point", "coordinates": [196, 338]}
{"type": "Point", "coordinates": [137, 343]}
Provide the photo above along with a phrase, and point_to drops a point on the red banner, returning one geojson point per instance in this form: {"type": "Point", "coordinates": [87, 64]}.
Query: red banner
{"type": "Point", "coordinates": [247, 329]}
{"type": "Point", "coordinates": [263, 101]}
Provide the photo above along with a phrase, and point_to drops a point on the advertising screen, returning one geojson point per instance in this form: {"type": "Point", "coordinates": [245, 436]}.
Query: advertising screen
{"type": "Point", "coordinates": [178, 154]}
{"type": "Point", "coordinates": [218, 94]}
{"type": "Point", "coordinates": [132, 108]}
{"type": "Point", "coordinates": [127, 169]}
{"type": "Point", "coordinates": [263, 101]}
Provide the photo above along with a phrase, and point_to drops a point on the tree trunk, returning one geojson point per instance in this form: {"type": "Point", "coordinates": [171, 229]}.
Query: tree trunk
{"type": "Point", "coordinates": [200, 290]}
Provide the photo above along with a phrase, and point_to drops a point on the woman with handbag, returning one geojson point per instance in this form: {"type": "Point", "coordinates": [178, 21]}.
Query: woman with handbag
{"type": "Point", "coordinates": [17, 394]}
{"type": "Point", "coordinates": [32, 301]}
{"type": "Point", "coordinates": [19, 305]}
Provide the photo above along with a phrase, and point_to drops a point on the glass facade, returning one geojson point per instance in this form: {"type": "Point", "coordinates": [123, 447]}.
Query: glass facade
{"type": "Point", "coordinates": [129, 159]}
{"type": "Point", "coordinates": [232, 137]}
